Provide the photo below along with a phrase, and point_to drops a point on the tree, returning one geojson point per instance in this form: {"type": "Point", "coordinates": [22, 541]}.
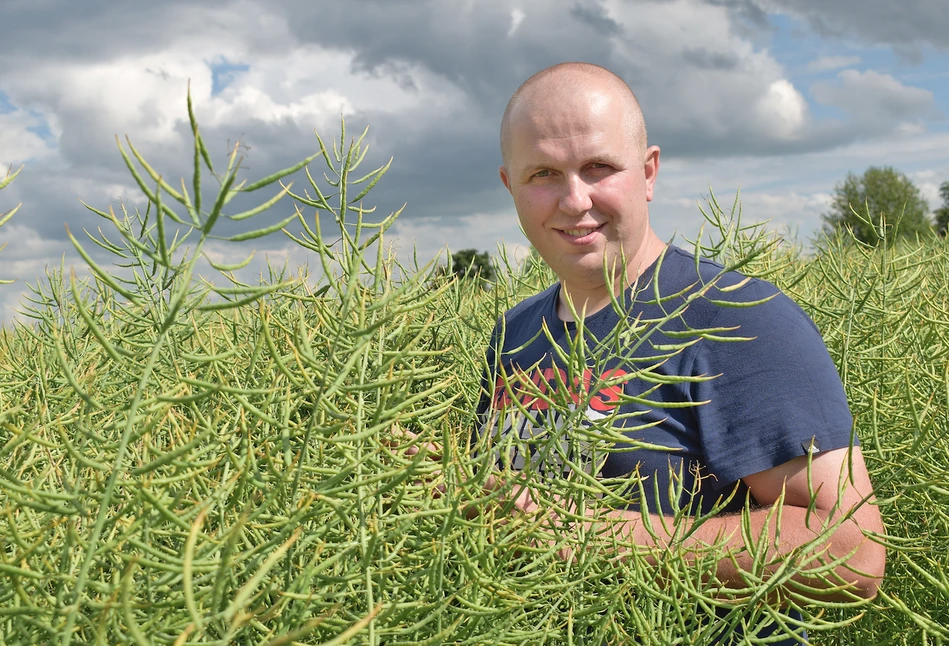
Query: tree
{"type": "Point", "coordinates": [885, 199]}
{"type": "Point", "coordinates": [942, 213]}
{"type": "Point", "coordinates": [468, 263]}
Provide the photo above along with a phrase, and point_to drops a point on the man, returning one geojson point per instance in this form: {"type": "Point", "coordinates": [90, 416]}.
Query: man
{"type": "Point", "coordinates": [763, 417]}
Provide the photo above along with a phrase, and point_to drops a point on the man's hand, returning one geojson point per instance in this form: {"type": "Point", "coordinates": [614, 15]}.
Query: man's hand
{"type": "Point", "coordinates": [404, 439]}
{"type": "Point", "coordinates": [523, 504]}
{"type": "Point", "coordinates": [405, 442]}
{"type": "Point", "coordinates": [831, 493]}
{"type": "Point", "coordinates": [549, 521]}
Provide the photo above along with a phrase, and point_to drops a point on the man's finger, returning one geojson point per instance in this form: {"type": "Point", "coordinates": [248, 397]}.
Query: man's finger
{"type": "Point", "coordinates": [404, 439]}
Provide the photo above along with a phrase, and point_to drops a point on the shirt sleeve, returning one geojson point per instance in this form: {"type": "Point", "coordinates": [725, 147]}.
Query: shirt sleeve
{"type": "Point", "coordinates": [774, 397]}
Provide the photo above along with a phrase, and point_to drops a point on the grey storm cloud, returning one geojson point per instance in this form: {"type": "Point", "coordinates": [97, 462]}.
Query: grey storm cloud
{"type": "Point", "coordinates": [597, 18]}
{"type": "Point", "coordinates": [907, 24]}
{"type": "Point", "coordinates": [473, 50]}
{"type": "Point", "coordinates": [94, 29]}
{"type": "Point", "coordinates": [704, 59]}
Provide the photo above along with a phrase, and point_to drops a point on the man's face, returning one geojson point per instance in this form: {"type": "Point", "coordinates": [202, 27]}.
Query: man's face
{"type": "Point", "coordinates": [581, 184]}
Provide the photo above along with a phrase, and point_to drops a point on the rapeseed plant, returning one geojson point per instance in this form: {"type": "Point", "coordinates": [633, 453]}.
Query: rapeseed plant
{"type": "Point", "coordinates": [186, 462]}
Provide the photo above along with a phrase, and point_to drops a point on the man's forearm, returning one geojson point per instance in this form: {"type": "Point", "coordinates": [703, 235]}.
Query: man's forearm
{"type": "Point", "coordinates": [812, 537]}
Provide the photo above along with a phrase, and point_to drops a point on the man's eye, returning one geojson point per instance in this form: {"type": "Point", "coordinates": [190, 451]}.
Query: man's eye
{"type": "Point", "coordinates": [542, 173]}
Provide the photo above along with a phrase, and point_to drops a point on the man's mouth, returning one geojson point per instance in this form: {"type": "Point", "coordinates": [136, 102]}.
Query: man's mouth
{"type": "Point", "coordinates": [579, 233]}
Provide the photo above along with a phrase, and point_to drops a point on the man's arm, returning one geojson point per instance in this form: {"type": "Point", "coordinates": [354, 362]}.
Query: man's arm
{"type": "Point", "coordinates": [842, 496]}
{"type": "Point", "coordinates": [831, 472]}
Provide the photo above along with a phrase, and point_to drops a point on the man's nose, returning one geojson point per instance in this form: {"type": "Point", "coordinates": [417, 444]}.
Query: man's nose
{"type": "Point", "coordinates": [577, 198]}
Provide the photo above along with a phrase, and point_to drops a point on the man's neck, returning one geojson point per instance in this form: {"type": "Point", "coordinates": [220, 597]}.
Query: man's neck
{"type": "Point", "coordinates": [588, 301]}
{"type": "Point", "coordinates": [583, 306]}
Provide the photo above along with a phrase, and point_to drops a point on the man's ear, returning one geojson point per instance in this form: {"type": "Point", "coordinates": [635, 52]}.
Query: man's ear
{"type": "Point", "coordinates": [505, 179]}
{"type": "Point", "coordinates": [651, 170]}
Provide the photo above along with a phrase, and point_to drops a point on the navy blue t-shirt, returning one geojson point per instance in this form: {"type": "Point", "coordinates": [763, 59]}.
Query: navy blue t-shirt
{"type": "Point", "coordinates": [694, 379]}
{"type": "Point", "coordinates": [759, 386]}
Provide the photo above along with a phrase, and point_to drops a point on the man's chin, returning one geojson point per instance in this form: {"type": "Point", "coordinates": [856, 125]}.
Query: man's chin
{"type": "Point", "coordinates": [586, 271]}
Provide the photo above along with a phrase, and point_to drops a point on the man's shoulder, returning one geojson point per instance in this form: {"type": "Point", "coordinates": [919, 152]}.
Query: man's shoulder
{"type": "Point", "coordinates": [679, 271]}
{"type": "Point", "coordinates": [728, 298]}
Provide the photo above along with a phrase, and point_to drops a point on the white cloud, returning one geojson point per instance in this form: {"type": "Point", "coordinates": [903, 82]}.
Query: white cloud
{"type": "Point", "coordinates": [26, 258]}
{"type": "Point", "coordinates": [517, 16]}
{"type": "Point", "coordinates": [317, 79]}
{"type": "Point", "coordinates": [929, 181]}
{"type": "Point", "coordinates": [784, 108]}
{"type": "Point", "coordinates": [304, 86]}
{"type": "Point", "coordinates": [151, 88]}
{"type": "Point", "coordinates": [246, 102]}
{"type": "Point", "coordinates": [722, 87]}
{"type": "Point", "coordinates": [791, 192]}
{"type": "Point", "coordinates": [930, 193]}
{"type": "Point", "coordinates": [828, 63]}
{"type": "Point", "coordinates": [17, 143]}
{"type": "Point", "coordinates": [911, 128]}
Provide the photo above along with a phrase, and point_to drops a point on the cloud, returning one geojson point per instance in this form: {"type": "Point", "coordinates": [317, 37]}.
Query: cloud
{"type": "Point", "coordinates": [19, 139]}
{"type": "Point", "coordinates": [517, 17]}
{"type": "Point", "coordinates": [272, 106]}
{"type": "Point", "coordinates": [929, 182]}
{"type": "Point", "coordinates": [792, 193]}
{"type": "Point", "coordinates": [875, 99]}
{"type": "Point", "coordinates": [431, 238]}
{"type": "Point", "coordinates": [828, 63]}
{"type": "Point", "coordinates": [597, 17]}
{"type": "Point", "coordinates": [26, 258]}
{"type": "Point", "coordinates": [908, 25]}
{"type": "Point", "coordinates": [709, 60]}
{"type": "Point", "coordinates": [430, 77]}
{"type": "Point", "coordinates": [725, 95]}
{"type": "Point", "coordinates": [784, 109]}
{"type": "Point", "coordinates": [713, 97]}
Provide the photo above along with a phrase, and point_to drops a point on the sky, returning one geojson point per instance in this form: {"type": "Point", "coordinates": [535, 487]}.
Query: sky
{"type": "Point", "coordinates": [779, 99]}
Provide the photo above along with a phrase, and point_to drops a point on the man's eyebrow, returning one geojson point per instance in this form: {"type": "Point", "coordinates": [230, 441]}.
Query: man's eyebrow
{"type": "Point", "coordinates": [604, 158]}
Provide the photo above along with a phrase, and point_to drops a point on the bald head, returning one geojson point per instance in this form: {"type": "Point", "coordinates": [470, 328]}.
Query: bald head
{"type": "Point", "coordinates": [552, 86]}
